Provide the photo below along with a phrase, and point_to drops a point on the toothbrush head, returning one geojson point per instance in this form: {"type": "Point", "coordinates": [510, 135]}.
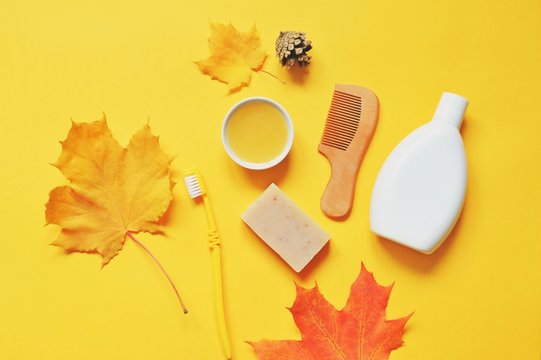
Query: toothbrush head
{"type": "Point", "coordinates": [194, 183]}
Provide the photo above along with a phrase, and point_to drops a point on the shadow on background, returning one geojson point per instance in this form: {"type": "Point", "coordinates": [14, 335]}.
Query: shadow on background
{"type": "Point", "coordinates": [298, 75]}
{"type": "Point", "coordinates": [263, 178]}
{"type": "Point", "coordinates": [418, 261]}
{"type": "Point", "coordinates": [165, 219]}
{"type": "Point", "coordinates": [315, 262]}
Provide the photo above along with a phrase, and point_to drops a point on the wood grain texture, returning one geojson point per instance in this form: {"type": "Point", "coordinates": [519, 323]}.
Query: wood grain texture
{"type": "Point", "coordinates": [351, 123]}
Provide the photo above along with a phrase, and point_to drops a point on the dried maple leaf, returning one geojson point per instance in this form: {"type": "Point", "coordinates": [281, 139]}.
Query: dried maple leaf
{"type": "Point", "coordinates": [233, 55]}
{"type": "Point", "coordinates": [358, 331]}
{"type": "Point", "coordinates": [114, 192]}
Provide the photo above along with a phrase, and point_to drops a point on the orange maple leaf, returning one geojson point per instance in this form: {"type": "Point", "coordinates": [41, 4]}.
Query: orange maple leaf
{"type": "Point", "coordinates": [114, 192]}
{"type": "Point", "coordinates": [233, 55]}
{"type": "Point", "coordinates": [357, 332]}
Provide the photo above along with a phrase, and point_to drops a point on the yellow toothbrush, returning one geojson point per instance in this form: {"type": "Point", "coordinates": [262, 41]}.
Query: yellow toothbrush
{"type": "Point", "coordinates": [196, 188]}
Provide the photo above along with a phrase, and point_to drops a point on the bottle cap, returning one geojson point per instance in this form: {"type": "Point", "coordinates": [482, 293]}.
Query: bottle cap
{"type": "Point", "coordinates": [451, 109]}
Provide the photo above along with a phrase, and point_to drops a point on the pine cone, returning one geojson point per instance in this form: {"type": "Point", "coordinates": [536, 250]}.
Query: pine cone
{"type": "Point", "coordinates": [292, 47]}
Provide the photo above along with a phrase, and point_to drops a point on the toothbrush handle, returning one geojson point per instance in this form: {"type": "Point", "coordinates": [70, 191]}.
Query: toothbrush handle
{"type": "Point", "coordinates": [214, 243]}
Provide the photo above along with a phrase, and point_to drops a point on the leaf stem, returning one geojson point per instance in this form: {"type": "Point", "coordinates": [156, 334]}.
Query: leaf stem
{"type": "Point", "coordinates": [274, 76]}
{"type": "Point", "coordinates": [184, 309]}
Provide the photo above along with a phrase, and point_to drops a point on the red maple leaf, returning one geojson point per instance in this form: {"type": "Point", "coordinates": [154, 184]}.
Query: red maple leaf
{"type": "Point", "coordinates": [357, 332]}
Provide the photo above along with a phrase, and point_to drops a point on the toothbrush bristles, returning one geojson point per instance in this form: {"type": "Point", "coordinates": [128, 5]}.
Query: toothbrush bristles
{"type": "Point", "coordinates": [192, 184]}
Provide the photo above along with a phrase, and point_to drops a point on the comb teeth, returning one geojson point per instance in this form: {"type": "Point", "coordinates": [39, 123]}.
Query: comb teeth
{"type": "Point", "coordinates": [342, 120]}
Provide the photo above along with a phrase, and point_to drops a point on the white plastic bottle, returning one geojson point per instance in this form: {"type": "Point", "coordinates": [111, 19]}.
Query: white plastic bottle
{"type": "Point", "coordinates": [420, 189]}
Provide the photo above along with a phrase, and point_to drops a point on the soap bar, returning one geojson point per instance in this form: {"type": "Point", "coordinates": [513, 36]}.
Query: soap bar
{"type": "Point", "coordinates": [282, 225]}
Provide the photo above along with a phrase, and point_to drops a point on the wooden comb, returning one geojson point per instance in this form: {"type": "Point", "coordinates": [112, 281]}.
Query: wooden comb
{"type": "Point", "coordinates": [351, 122]}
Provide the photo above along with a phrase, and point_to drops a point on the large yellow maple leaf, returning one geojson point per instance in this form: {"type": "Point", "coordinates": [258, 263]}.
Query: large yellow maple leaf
{"type": "Point", "coordinates": [113, 193]}
{"type": "Point", "coordinates": [233, 55]}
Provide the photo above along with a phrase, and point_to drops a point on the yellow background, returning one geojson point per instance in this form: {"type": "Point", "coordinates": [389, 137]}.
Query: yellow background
{"type": "Point", "coordinates": [477, 297]}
